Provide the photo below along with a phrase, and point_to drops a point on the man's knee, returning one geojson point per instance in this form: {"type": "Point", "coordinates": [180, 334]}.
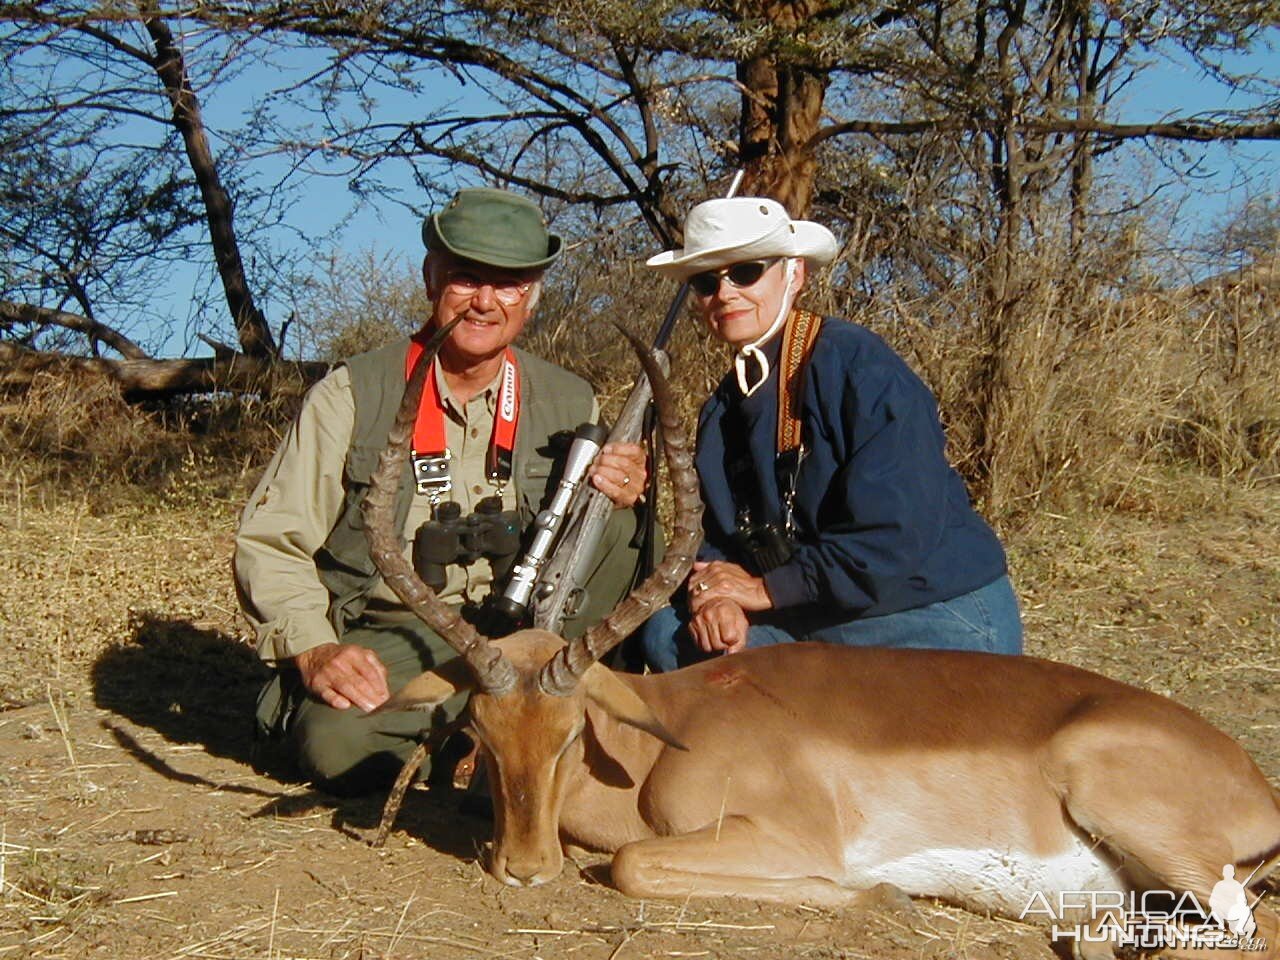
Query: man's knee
{"type": "Point", "coordinates": [347, 753]}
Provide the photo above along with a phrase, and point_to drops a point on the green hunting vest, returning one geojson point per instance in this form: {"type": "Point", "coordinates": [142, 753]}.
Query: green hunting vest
{"type": "Point", "coordinates": [552, 400]}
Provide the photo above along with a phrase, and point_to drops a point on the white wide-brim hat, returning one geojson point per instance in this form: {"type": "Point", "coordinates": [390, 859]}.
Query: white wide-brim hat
{"type": "Point", "coordinates": [725, 231]}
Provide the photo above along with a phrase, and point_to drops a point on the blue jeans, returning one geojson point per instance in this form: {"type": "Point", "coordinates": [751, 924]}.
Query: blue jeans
{"type": "Point", "coordinates": [986, 619]}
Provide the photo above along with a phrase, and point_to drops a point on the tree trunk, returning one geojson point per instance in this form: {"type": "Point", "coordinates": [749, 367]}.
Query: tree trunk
{"type": "Point", "coordinates": [995, 381]}
{"type": "Point", "coordinates": [1086, 110]}
{"type": "Point", "coordinates": [781, 112]}
{"type": "Point", "coordinates": [251, 325]}
{"type": "Point", "coordinates": [145, 379]}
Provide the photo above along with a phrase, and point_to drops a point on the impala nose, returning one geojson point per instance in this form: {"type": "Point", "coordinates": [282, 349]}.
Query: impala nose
{"type": "Point", "coordinates": [525, 872]}
{"type": "Point", "coordinates": [527, 868]}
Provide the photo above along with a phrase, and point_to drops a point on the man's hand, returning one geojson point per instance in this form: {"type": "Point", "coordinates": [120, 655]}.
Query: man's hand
{"type": "Point", "coordinates": [619, 472]}
{"type": "Point", "coordinates": [721, 580]}
{"type": "Point", "coordinates": [344, 675]}
{"type": "Point", "coordinates": [719, 626]}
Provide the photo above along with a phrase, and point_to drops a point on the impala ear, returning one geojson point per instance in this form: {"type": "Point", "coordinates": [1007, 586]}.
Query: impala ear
{"type": "Point", "coordinates": [610, 694]}
{"type": "Point", "coordinates": [428, 690]}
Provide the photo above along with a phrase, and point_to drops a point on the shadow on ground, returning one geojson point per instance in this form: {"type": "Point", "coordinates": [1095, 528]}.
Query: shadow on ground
{"type": "Point", "coordinates": [436, 817]}
{"type": "Point", "coordinates": [190, 684]}
{"type": "Point", "coordinates": [199, 686]}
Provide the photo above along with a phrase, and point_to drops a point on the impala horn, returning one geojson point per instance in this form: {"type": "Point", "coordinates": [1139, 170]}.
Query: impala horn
{"type": "Point", "coordinates": [493, 672]}
{"type": "Point", "coordinates": [560, 675]}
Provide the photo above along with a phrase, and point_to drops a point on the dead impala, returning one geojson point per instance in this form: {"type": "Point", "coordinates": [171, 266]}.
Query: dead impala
{"type": "Point", "coordinates": [810, 773]}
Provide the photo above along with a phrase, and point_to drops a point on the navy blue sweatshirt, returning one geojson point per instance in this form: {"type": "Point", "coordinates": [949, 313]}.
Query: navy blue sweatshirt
{"type": "Point", "coordinates": [884, 523]}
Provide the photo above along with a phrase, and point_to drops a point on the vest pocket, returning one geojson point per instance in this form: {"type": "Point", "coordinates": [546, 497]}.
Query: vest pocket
{"type": "Point", "coordinates": [535, 484]}
{"type": "Point", "coordinates": [362, 460]}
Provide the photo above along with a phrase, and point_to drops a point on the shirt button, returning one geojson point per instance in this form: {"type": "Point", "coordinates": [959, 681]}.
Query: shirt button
{"type": "Point", "coordinates": [475, 432]}
{"type": "Point", "coordinates": [477, 489]}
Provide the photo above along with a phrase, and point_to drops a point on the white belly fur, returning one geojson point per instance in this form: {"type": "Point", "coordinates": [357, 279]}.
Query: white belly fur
{"type": "Point", "coordinates": [994, 881]}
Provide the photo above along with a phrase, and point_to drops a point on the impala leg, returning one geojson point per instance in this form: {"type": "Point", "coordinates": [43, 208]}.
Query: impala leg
{"type": "Point", "coordinates": [1179, 856]}
{"type": "Point", "coordinates": [396, 797]}
{"type": "Point", "coordinates": [425, 747]}
{"type": "Point", "coordinates": [735, 858]}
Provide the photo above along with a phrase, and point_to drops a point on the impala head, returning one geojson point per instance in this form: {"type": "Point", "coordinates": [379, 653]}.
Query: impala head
{"type": "Point", "coordinates": [530, 690]}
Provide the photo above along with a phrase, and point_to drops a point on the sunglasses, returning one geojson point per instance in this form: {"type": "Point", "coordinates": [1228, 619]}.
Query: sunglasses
{"type": "Point", "coordinates": [740, 275]}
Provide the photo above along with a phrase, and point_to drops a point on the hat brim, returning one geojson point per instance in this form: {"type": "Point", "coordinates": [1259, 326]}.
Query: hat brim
{"type": "Point", "coordinates": [810, 241]}
{"type": "Point", "coordinates": [490, 257]}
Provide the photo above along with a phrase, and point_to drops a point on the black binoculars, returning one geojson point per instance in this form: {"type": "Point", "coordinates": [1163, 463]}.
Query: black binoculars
{"type": "Point", "coordinates": [448, 537]}
{"type": "Point", "coordinates": [765, 545]}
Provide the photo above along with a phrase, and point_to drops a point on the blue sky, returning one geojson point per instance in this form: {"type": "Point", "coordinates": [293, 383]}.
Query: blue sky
{"type": "Point", "coordinates": [1225, 175]}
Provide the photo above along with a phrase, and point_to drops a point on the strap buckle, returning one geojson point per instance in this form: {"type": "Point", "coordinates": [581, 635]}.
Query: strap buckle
{"type": "Point", "coordinates": [787, 471]}
{"type": "Point", "coordinates": [431, 474]}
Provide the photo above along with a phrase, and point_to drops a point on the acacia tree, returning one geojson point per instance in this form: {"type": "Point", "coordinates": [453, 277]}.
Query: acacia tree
{"type": "Point", "coordinates": [95, 212]}
{"type": "Point", "coordinates": [947, 133]}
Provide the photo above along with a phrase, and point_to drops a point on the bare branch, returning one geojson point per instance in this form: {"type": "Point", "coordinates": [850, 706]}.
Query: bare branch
{"type": "Point", "coordinates": [11, 313]}
{"type": "Point", "coordinates": [1198, 130]}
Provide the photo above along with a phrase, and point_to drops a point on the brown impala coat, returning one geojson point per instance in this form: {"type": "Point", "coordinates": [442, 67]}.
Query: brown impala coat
{"type": "Point", "coordinates": [806, 773]}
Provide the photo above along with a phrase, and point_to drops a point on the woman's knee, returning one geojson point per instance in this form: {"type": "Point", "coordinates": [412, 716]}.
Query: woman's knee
{"type": "Point", "coordinates": [1005, 618]}
{"type": "Point", "coordinates": [659, 639]}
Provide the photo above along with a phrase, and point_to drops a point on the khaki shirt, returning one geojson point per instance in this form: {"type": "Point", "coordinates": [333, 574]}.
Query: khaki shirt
{"type": "Point", "coordinates": [300, 497]}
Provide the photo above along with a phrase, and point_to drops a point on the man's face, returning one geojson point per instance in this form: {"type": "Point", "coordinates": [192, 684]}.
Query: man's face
{"type": "Point", "coordinates": [494, 304]}
{"type": "Point", "coordinates": [737, 311]}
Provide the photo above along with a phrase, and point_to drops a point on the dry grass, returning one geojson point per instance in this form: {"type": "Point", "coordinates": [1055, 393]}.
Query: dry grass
{"type": "Point", "coordinates": [78, 434]}
{"type": "Point", "coordinates": [137, 818]}
{"type": "Point", "coordinates": [83, 571]}
{"type": "Point", "coordinates": [1138, 459]}
{"type": "Point", "coordinates": [1109, 396]}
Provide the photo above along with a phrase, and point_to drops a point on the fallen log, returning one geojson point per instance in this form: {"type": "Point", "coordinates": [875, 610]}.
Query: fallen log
{"type": "Point", "coordinates": [144, 378]}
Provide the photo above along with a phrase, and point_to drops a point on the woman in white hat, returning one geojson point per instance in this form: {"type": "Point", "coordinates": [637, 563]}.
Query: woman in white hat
{"type": "Point", "coordinates": [831, 511]}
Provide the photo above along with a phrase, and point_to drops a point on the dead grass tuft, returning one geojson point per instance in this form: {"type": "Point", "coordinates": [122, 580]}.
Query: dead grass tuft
{"type": "Point", "coordinates": [80, 434]}
{"type": "Point", "coordinates": [74, 426]}
{"type": "Point", "coordinates": [1108, 397]}
{"type": "Point", "coordinates": [56, 883]}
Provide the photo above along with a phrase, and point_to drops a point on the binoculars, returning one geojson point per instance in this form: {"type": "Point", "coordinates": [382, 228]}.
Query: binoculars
{"type": "Point", "coordinates": [448, 537]}
{"type": "Point", "coordinates": [765, 545]}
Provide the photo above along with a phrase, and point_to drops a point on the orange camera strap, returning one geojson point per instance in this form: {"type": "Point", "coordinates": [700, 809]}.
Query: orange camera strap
{"type": "Point", "coordinates": [797, 344]}
{"type": "Point", "coordinates": [428, 430]}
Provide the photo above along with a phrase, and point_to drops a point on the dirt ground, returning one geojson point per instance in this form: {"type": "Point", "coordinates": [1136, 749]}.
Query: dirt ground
{"type": "Point", "coordinates": [139, 820]}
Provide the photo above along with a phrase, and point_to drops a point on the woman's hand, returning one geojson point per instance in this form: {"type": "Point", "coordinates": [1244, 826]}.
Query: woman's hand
{"type": "Point", "coordinates": [721, 580]}
{"type": "Point", "coordinates": [720, 626]}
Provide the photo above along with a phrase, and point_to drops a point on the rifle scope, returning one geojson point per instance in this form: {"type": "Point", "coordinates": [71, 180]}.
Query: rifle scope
{"type": "Point", "coordinates": [514, 602]}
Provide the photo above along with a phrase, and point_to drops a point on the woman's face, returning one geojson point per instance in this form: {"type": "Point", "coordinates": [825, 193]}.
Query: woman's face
{"type": "Point", "coordinates": [737, 314]}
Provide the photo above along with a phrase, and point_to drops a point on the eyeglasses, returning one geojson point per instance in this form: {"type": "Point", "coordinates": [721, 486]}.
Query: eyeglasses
{"type": "Point", "coordinates": [740, 275]}
{"type": "Point", "coordinates": [509, 292]}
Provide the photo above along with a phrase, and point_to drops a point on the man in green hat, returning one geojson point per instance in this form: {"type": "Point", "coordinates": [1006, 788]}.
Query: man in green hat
{"type": "Point", "coordinates": [325, 620]}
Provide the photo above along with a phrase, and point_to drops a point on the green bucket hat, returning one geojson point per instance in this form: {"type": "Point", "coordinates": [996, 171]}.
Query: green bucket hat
{"type": "Point", "coordinates": [494, 227]}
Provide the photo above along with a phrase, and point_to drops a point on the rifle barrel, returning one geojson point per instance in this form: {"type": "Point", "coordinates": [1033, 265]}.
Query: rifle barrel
{"type": "Point", "coordinates": [669, 321]}
{"type": "Point", "coordinates": [682, 294]}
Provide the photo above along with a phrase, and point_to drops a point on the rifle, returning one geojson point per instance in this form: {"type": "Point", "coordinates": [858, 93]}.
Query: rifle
{"type": "Point", "coordinates": [556, 588]}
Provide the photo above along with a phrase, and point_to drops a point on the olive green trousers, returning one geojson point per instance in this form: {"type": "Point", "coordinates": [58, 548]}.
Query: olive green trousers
{"type": "Point", "coordinates": [348, 751]}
